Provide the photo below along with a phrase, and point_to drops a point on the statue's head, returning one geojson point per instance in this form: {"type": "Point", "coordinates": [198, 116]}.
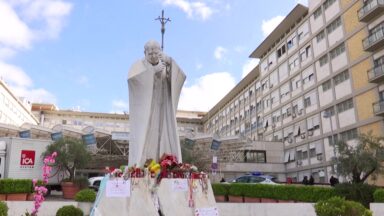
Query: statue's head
{"type": "Point", "coordinates": [152, 52]}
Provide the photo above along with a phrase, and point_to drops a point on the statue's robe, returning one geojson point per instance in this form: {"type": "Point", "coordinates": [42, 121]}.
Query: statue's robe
{"type": "Point", "coordinates": [153, 100]}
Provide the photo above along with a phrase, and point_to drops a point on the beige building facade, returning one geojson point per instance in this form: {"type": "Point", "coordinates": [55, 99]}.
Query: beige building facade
{"type": "Point", "coordinates": [319, 80]}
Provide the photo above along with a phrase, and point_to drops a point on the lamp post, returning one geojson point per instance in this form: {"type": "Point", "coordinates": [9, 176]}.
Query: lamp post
{"type": "Point", "coordinates": [328, 114]}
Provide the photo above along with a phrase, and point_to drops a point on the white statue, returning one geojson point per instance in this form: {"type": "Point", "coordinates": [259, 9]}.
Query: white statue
{"type": "Point", "coordinates": [154, 85]}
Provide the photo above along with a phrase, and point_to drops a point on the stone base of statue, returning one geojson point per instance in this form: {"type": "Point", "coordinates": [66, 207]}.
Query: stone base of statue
{"type": "Point", "coordinates": [142, 196]}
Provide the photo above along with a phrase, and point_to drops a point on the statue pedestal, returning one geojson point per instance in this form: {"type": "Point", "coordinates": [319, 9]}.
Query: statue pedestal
{"type": "Point", "coordinates": [172, 196]}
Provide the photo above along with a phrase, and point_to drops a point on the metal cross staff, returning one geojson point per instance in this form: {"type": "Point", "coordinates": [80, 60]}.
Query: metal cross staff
{"type": "Point", "coordinates": [162, 20]}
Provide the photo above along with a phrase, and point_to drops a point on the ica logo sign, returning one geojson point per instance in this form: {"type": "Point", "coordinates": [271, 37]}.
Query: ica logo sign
{"type": "Point", "coordinates": [27, 158]}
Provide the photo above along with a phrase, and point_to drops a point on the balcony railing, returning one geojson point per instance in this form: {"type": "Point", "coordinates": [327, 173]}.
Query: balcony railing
{"type": "Point", "coordinates": [370, 10]}
{"type": "Point", "coordinates": [378, 108]}
{"type": "Point", "coordinates": [376, 74]}
{"type": "Point", "coordinates": [375, 40]}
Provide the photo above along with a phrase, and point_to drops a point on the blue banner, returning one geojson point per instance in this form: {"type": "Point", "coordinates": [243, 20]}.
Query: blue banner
{"type": "Point", "coordinates": [25, 134]}
{"type": "Point", "coordinates": [56, 136]}
{"type": "Point", "coordinates": [89, 139]}
{"type": "Point", "coordinates": [215, 144]}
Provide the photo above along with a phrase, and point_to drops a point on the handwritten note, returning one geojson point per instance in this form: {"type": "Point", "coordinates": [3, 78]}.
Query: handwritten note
{"type": "Point", "coordinates": [118, 188]}
{"type": "Point", "coordinates": [179, 185]}
{"type": "Point", "coordinates": [206, 211]}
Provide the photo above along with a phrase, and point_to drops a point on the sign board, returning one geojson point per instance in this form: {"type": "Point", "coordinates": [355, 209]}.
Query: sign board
{"type": "Point", "coordinates": [27, 159]}
{"type": "Point", "coordinates": [25, 134]}
{"type": "Point", "coordinates": [212, 211]}
{"type": "Point", "coordinates": [56, 136]}
{"type": "Point", "coordinates": [118, 135]}
{"type": "Point", "coordinates": [179, 185]}
{"type": "Point", "coordinates": [118, 188]}
{"type": "Point", "coordinates": [89, 139]}
{"type": "Point", "coordinates": [215, 144]}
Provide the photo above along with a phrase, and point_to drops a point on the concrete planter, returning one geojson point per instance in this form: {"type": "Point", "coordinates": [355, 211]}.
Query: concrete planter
{"type": "Point", "coordinates": [252, 199]}
{"type": "Point", "coordinates": [85, 207]}
{"type": "Point", "coordinates": [268, 200]}
{"type": "Point", "coordinates": [285, 201]}
{"type": "Point", "coordinates": [235, 199]}
{"type": "Point", "coordinates": [220, 198]}
{"type": "Point", "coordinates": [3, 197]}
{"type": "Point", "coordinates": [30, 197]}
{"type": "Point", "coordinates": [17, 197]}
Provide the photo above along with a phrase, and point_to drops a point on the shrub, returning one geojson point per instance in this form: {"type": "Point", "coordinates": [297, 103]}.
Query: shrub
{"type": "Point", "coordinates": [362, 193]}
{"type": "Point", "coordinates": [3, 209]}
{"type": "Point", "coordinates": [221, 189]}
{"type": "Point", "coordinates": [85, 195]}
{"type": "Point", "coordinates": [337, 206]}
{"type": "Point", "coordinates": [9, 186]}
{"type": "Point", "coordinates": [378, 195]}
{"type": "Point", "coordinates": [69, 210]}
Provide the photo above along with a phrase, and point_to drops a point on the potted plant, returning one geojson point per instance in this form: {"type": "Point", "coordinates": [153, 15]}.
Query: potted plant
{"type": "Point", "coordinates": [69, 210]}
{"type": "Point", "coordinates": [86, 197]}
{"type": "Point", "coordinates": [71, 155]}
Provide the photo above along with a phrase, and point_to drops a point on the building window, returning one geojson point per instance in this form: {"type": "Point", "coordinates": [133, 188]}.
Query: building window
{"type": "Point", "coordinates": [328, 3]}
{"type": "Point", "coordinates": [330, 111]}
{"type": "Point", "coordinates": [320, 36]}
{"type": "Point", "coordinates": [323, 60]}
{"type": "Point", "coordinates": [334, 25]}
{"type": "Point", "coordinates": [291, 43]}
{"type": "Point", "coordinates": [317, 13]}
{"type": "Point", "coordinates": [327, 85]}
{"type": "Point", "coordinates": [64, 121]}
{"type": "Point", "coordinates": [349, 135]}
{"type": "Point", "coordinates": [281, 51]}
{"type": "Point", "coordinates": [345, 105]}
{"type": "Point", "coordinates": [341, 77]}
{"type": "Point", "coordinates": [307, 102]}
{"type": "Point", "coordinates": [254, 156]}
{"type": "Point", "coordinates": [337, 51]}
{"type": "Point", "coordinates": [333, 141]}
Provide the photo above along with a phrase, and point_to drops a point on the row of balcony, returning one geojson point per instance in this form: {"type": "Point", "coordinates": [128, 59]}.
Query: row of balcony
{"type": "Point", "coordinates": [374, 41]}
{"type": "Point", "coordinates": [370, 10]}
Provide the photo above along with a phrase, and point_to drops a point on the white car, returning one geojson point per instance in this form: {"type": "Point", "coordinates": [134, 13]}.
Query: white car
{"type": "Point", "coordinates": [94, 182]}
{"type": "Point", "coordinates": [255, 179]}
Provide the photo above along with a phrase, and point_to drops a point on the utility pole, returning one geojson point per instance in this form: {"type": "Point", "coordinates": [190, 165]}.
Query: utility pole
{"type": "Point", "coordinates": [163, 21]}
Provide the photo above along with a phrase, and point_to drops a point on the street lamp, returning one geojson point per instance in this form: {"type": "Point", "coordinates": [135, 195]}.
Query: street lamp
{"type": "Point", "coordinates": [328, 114]}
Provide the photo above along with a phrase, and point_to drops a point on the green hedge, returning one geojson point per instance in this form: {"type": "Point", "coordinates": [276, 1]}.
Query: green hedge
{"type": "Point", "coordinates": [378, 195]}
{"type": "Point", "coordinates": [281, 192]}
{"type": "Point", "coordinates": [8, 186]}
{"type": "Point", "coordinates": [221, 189]}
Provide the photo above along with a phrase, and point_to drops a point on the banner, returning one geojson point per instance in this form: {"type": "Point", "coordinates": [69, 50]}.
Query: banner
{"type": "Point", "coordinates": [189, 143]}
{"type": "Point", "coordinates": [117, 135]}
{"type": "Point", "coordinates": [25, 134]}
{"type": "Point", "coordinates": [56, 136]}
{"type": "Point", "coordinates": [89, 139]}
{"type": "Point", "coordinates": [215, 144]}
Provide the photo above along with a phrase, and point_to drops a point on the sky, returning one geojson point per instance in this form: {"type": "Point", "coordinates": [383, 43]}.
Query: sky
{"type": "Point", "coordinates": [77, 54]}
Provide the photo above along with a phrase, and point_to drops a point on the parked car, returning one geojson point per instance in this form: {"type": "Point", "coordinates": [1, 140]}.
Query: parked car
{"type": "Point", "coordinates": [255, 179]}
{"type": "Point", "coordinates": [94, 182]}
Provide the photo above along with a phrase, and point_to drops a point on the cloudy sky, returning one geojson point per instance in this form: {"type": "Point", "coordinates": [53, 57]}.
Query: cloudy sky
{"type": "Point", "coordinates": [76, 54]}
